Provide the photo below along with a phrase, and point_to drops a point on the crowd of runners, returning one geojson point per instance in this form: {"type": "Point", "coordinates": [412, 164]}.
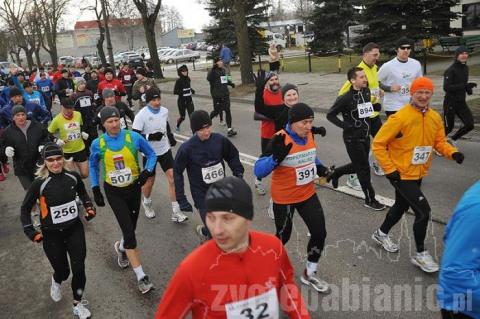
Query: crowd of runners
{"type": "Point", "coordinates": [99, 135]}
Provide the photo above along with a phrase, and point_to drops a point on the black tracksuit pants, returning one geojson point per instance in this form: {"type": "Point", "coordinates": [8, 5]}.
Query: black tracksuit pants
{"type": "Point", "coordinates": [408, 194]}
{"type": "Point", "coordinates": [57, 244]}
{"type": "Point", "coordinates": [222, 104]}
{"type": "Point", "coordinates": [461, 109]}
{"type": "Point", "coordinates": [184, 105]}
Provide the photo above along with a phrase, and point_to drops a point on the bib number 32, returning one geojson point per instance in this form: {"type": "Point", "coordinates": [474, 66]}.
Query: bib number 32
{"type": "Point", "coordinates": [260, 307]}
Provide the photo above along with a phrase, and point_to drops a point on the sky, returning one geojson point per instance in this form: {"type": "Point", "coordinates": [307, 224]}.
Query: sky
{"type": "Point", "coordinates": [194, 14]}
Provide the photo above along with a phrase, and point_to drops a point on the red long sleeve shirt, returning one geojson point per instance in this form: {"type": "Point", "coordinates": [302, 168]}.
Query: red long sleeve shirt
{"type": "Point", "coordinates": [116, 85]}
{"type": "Point", "coordinates": [267, 129]}
{"type": "Point", "coordinates": [210, 283]}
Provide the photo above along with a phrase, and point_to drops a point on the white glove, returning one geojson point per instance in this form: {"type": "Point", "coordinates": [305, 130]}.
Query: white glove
{"type": "Point", "coordinates": [9, 151]}
{"type": "Point", "coordinates": [85, 136]}
{"type": "Point", "coordinates": [40, 148]}
{"type": "Point", "coordinates": [60, 142]}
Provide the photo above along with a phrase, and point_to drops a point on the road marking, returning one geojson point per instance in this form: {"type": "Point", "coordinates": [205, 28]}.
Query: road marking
{"type": "Point", "coordinates": [247, 160]}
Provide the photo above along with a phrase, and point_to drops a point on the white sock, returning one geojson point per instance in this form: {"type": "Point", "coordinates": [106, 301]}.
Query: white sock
{"type": "Point", "coordinates": [122, 249]}
{"type": "Point", "coordinates": [139, 272]}
{"type": "Point", "coordinates": [147, 199]}
{"type": "Point", "coordinates": [381, 233]}
{"type": "Point", "coordinates": [229, 129]}
{"type": "Point", "coordinates": [175, 206]}
{"type": "Point", "coordinates": [311, 268]}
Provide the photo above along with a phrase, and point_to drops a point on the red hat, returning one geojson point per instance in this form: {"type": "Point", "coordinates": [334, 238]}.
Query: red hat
{"type": "Point", "coordinates": [421, 83]}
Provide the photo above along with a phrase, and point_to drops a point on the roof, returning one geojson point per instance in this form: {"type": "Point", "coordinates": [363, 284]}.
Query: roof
{"type": "Point", "coordinates": [281, 23]}
{"type": "Point", "coordinates": [92, 24]}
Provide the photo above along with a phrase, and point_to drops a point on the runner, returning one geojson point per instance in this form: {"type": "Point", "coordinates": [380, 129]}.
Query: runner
{"type": "Point", "coordinates": [85, 105]}
{"type": "Point", "coordinates": [219, 82]}
{"type": "Point", "coordinates": [397, 75]}
{"type": "Point", "coordinates": [68, 125]}
{"type": "Point", "coordinates": [356, 110]}
{"type": "Point", "coordinates": [456, 87]}
{"type": "Point", "coordinates": [152, 123]}
{"type": "Point", "coordinates": [458, 294]}
{"type": "Point", "coordinates": [203, 156]}
{"type": "Point", "coordinates": [111, 83]}
{"type": "Point", "coordinates": [403, 147]}
{"type": "Point", "coordinates": [184, 91]}
{"type": "Point", "coordinates": [222, 278]}
{"type": "Point", "coordinates": [109, 99]}
{"type": "Point", "coordinates": [34, 111]}
{"type": "Point", "coordinates": [127, 76]}
{"type": "Point", "coordinates": [61, 228]}
{"type": "Point", "coordinates": [117, 152]}
{"type": "Point", "coordinates": [291, 156]}
{"type": "Point", "coordinates": [92, 86]}
{"type": "Point", "coordinates": [45, 86]}
{"type": "Point", "coordinates": [142, 84]}
{"type": "Point", "coordinates": [64, 86]}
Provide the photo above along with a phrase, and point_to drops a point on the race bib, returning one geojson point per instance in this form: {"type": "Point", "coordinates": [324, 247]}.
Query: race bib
{"type": "Point", "coordinates": [85, 102]}
{"type": "Point", "coordinates": [64, 213]}
{"type": "Point", "coordinates": [259, 307]}
{"type": "Point", "coordinates": [144, 100]}
{"type": "Point", "coordinates": [96, 96]}
{"type": "Point", "coordinates": [213, 173]}
{"type": "Point", "coordinates": [421, 154]}
{"type": "Point", "coordinates": [45, 89]}
{"type": "Point", "coordinates": [405, 90]}
{"type": "Point", "coordinates": [365, 110]}
{"type": "Point", "coordinates": [224, 79]}
{"type": "Point", "coordinates": [121, 177]}
{"type": "Point", "coordinates": [127, 77]}
{"type": "Point", "coordinates": [71, 136]}
{"type": "Point", "coordinates": [123, 123]}
{"type": "Point", "coordinates": [306, 174]}
{"type": "Point", "coordinates": [376, 93]}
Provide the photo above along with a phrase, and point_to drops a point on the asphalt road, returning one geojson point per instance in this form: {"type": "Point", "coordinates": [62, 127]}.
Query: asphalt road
{"type": "Point", "coordinates": [366, 281]}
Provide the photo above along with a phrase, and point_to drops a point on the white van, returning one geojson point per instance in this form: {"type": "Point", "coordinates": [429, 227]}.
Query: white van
{"type": "Point", "coordinates": [276, 38]}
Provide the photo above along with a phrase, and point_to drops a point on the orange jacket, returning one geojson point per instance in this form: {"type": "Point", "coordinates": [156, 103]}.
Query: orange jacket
{"type": "Point", "coordinates": [395, 143]}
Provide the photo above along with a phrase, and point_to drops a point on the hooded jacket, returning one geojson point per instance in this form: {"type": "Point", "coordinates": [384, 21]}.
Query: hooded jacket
{"type": "Point", "coordinates": [219, 82]}
{"type": "Point", "coordinates": [182, 86]}
{"type": "Point", "coordinates": [455, 79]}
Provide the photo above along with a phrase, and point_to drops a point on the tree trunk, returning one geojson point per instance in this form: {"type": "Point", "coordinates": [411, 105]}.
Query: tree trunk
{"type": "Point", "coordinates": [29, 56]}
{"type": "Point", "coordinates": [241, 32]}
{"type": "Point", "coordinates": [107, 34]}
{"type": "Point", "coordinates": [37, 56]}
{"type": "Point", "coordinates": [152, 46]}
{"type": "Point", "coordinates": [100, 50]}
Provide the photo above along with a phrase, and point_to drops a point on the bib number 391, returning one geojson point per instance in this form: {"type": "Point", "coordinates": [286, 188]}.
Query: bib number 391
{"type": "Point", "coordinates": [64, 213]}
{"type": "Point", "coordinates": [306, 174]}
{"type": "Point", "coordinates": [213, 173]}
{"type": "Point", "coordinates": [421, 154]}
{"type": "Point", "coordinates": [259, 307]}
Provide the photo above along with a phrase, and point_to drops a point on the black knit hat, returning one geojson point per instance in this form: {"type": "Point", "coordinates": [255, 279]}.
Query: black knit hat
{"type": "Point", "coordinates": [230, 194]}
{"type": "Point", "coordinates": [299, 112]}
{"type": "Point", "coordinates": [107, 112]}
{"type": "Point", "coordinates": [199, 119]}
{"type": "Point", "coordinates": [18, 108]}
{"type": "Point", "coordinates": [15, 92]}
{"type": "Point", "coordinates": [460, 49]}
{"type": "Point", "coordinates": [51, 149]}
{"type": "Point", "coordinates": [403, 41]}
{"type": "Point", "coordinates": [141, 71]}
{"type": "Point", "coordinates": [67, 103]}
{"type": "Point", "coordinates": [152, 93]}
{"type": "Point", "coordinates": [287, 87]}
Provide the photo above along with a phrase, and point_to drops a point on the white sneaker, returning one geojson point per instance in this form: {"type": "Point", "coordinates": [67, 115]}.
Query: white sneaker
{"type": "Point", "coordinates": [259, 187]}
{"type": "Point", "coordinates": [178, 216]}
{"type": "Point", "coordinates": [425, 261]}
{"type": "Point", "coordinates": [316, 283]}
{"type": "Point", "coordinates": [353, 182]}
{"type": "Point", "coordinates": [270, 210]}
{"type": "Point", "coordinates": [56, 291]}
{"type": "Point", "coordinates": [385, 242]}
{"type": "Point", "coordinates": [437, 153]}
{"type": "Point", "coordinates": [80, 311]}
{"type": "Point", "coordinates": [377, 169]}
{"type": "Point", "coordinates": [148, 207]}
{"type": "Point", "coordinates": [222, 123]}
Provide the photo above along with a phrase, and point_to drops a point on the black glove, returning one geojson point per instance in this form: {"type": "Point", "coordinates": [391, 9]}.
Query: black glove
{"type": "Point", "coordinates": [193, 91]}
{"type": "Point", "coordinates": [469, 91]}
{"type": "Point", "coordinates": [185, 206]}
{"type": "Point", "coordinates": [377, 107]}
{"type": "Point", "coordinates": [231, 84]}
{"type": "Point", "coordinates": [172, 139]}
{"type": "Point", "coordinates": [90, 211]}
{"type": "Point", "coordinates": [280, 150]}
{"type": "Point", "coordinates": [142, 178]}
{"type": "Point", "coordinates": [470, 85]}
{"type": "Point", "coordinates": [260, 79]}
{"type": "Point", "coordinates": [97, 196]}
{"type": "Point", "coordinates": [322, 171]}
{"type": "Point", "coordinates": [155, 136]}
{"type": "Point", "coordinates": [320, 130]}
{"type": "Point", "coordinates": [393, 176]}
{"type": "Point", "coordinates": [458, 157]}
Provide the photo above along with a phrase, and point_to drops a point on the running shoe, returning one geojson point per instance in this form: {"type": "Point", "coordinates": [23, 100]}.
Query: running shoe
{"type": "Point", "coordinates": [231, 132]}
{"type": "Point", "coordinates": [200, 233]}
{"type": "Point", "coordinates": [55, 291]}
{"type": "Point", "coordinates": [178, 216]}
{"type": "Point", "coordinates": [425, 261]}
{"type": "Point", "coordinates": [122, 258]}
{"type": "Point", "coordinates": [318, 284]}
{"type": "Point", "coordinates": [270, 210]}
{"type": "Point", "coordinates": [259, 187]}
{"type": "Point", "coordinates": [353, 182]}
{"type": "Point", "coordinates": [377, 169]}
{"type": "Point", "coordinates": [452, 142]}
{"type": "Point", "coordinates": [80, 311]}
{"type": "Point", "coordinates": [222, 123]}
{"type": "Point", "coordinates": [374, 204]}
{"type": "Point", "coordinates": [177, 129]}
{"type": "Point", "coordinates": [144, 285]}
{"type": "Point", "coordinates": [2, 177]}
{"type": "Point", "coordinates": [148, 207]}
{"type": "Point", "coordinates": [385, 242]}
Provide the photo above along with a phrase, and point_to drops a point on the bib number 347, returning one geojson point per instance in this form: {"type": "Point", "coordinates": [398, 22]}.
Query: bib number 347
{"type": "Point", "coordinates": [260, 307]}
{"type": "Point", "coordinates": [421, 154]}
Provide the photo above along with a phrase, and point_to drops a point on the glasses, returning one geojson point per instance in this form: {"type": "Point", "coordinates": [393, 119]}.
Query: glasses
{"type": "Point", "coordinates": [54, 159]}
{"type": "Point", "coordinates": [405, 48]}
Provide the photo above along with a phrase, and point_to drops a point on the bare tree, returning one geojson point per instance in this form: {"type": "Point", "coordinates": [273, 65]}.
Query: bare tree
{"type": "Point", "coordinates": [51, 12]}
{"type": "Point", "coordinates": [170, 18]}
{"type": "Point", "coordinates": [33, 35]}
{"type": "Point", "coordinates": [149, 12]}
{"type": "Point", "coordinates": [303, 10]}
{"type": "Point", "coordinates": [125, 12]}
{"type": "Point", "coordinates": [106, 22]}
{"type": "Point", "coordinates": [97, 9]}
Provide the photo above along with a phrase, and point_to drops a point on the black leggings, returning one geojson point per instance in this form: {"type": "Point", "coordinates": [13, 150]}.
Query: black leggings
{"type": "Point", "coordinates": [448, 314]}
{"type": "Point", "coordinates": [56, 244]}
{"type": "Point", "coordinates": [312, 214]}
{"type": "Point", "coordinates": [182, 106]}
{"type": "Point", "coordinates": [358, 152]}
{"type": "Point", "coordinates": [222, 104]}
{"type": "Point", "coordinates": [125, 203]}
{"type": "Point", "coordinates": [408, 194]}
{"type": "Point", "coordinates": [375, 125]}
{"type": "Point", "coordinates": [129, 88]}
{"type": "Point", "coordinates": [461, 109]}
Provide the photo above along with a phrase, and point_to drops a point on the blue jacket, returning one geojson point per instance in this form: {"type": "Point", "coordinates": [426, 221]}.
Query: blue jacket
{"type": "Point", "coordinates": [226, 54]}
{"type": "Point", "coordinates": [45, 86]}
{"type": "Point", "coordinates": [116, 143]}
{"type": "Point", "coordinates": [5, 95]}
{"type": "Point", "coordinates": [34, 112]}
{"type": "Point", "coordinates": [460, 268]}
{"type": "Point", "coordinates": [193, 155]}
{"type": "Point", "coordinates": [34, 97]}
{"type": "Point", "coordinates": [266, 164]}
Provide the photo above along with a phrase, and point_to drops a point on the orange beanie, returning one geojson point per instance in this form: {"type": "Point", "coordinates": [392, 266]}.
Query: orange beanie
{"type": "Point", "coordinates": [421, 83]}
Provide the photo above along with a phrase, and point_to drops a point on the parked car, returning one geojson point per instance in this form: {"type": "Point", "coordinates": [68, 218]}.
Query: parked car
{"type": "Point", "coordinates": [201, 46]}
{"type": "Point", "coordinates": [6, 65]}
{"type": "Point", "coordinates": [181, 56]}
{"type": "Point", "coordinates": [66, 60]}
{"type": "Point", "coordinates": [135, 60]}
{"type": "Point", "coordinates": [164, 52]}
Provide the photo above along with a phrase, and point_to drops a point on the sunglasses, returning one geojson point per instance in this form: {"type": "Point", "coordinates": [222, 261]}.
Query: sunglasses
{"type": "Point", "coordinates": [54, 159]}
{"type": "Point", "coordinates": [405, 47]}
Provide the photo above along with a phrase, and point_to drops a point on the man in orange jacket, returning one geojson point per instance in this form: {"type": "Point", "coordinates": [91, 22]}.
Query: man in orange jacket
{"type": "Point", "coordinates": [223, 277]}
{"type": "Point", "coordinates": [404, 147]}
